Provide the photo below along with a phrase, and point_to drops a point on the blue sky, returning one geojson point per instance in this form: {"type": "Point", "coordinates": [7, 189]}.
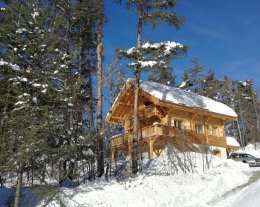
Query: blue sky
{"type": "Point", "coordinates": [223, 34]}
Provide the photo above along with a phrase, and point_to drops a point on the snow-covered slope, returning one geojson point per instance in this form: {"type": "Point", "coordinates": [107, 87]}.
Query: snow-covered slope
{"type": "Point", "coordinates": [157, 186]}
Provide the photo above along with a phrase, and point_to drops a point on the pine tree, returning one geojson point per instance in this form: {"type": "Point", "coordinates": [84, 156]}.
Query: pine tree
{"type": "Point", "coordinates": [100, 158]}
{"type": "Point", "coordinates": [210, 85]}
{"type": "Point", "coordinates": [163, 75]}
{"type": "Point", "coordinates": [247, 111]}
{"type": "Point", "coordinates": [150, 55]}
{"type": "Point", "coordinates": [26, 29]}
{"type": "Point", "coordinates": [47, 60]}
{"type": "Point", "coordinates": [193, 77]}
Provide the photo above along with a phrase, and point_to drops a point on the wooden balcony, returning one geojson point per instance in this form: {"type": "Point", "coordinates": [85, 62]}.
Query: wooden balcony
{"type": "Point", "coordinates": [216, 141]}
{"type": "Point", "coordinates": [120, 140]}
{"type": "Point", "coordinates": [149, 111]}
{"type": "Point", "coordinates": [157, 130]}
{"type": "Point", "coordinates": [164, 131]}
{"type": "Point", "coordinates": [196, 138]}
{"type": "Point", "coordinates": [146, 132]}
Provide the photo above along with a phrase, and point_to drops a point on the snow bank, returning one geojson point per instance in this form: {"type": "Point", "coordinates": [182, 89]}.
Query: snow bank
{"type": "Point", "coordinates": [252, 149]}
{"type": "Point", "coordinates": [161, 189]}
{"type": "Point", "coordinates": [247, 197]}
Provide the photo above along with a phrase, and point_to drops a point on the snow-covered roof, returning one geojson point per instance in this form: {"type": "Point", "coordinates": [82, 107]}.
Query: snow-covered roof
{"type": "Point", "coordinates": [231, 141]}
{"type": "Point", "coordinates": [186, 98]}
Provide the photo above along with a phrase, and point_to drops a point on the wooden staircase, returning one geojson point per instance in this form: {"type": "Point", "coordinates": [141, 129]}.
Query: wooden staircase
{"type": "Point", "coordinates": [183, 141]}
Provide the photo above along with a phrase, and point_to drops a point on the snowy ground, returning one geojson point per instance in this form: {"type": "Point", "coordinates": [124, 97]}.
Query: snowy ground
{"type": "Point", "coordinates": [181, 190]}
{"type": "Point", "coordinates": [158, 185]}
{"type": "Point", "coordinates": [247, 197]}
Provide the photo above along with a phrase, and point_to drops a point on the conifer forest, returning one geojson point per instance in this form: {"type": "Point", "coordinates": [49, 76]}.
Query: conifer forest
{"type": "Point", "coordinates": [56, 88]}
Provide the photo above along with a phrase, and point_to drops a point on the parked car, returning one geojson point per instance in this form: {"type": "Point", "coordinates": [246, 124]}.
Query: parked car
{"type": "Point", "coordinates": [245, 158]}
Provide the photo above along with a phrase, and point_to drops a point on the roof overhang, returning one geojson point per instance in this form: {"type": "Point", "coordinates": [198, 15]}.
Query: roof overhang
{"type": "Point", "coordinates": [124, 105]}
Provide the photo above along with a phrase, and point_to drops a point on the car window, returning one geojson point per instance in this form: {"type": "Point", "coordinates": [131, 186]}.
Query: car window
{"type": "Point", "coordinates": [249, 156]}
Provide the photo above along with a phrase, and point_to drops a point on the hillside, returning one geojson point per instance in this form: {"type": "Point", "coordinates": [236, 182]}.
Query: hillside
{"type": "Point", "coordinates": [160, 184]}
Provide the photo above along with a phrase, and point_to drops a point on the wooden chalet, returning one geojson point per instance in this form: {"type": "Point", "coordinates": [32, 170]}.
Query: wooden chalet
{"type": "Point", "coordinates": [169, 116]}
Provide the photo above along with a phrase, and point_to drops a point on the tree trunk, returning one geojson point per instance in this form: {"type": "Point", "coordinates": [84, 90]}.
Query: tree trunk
{"type": "Point", "coordinates": [257, 116]}
{"type": "Point", "coordinates": [100, 154]}
{"type": "Point", "coordinates": [71, 170]}
{"type": "Point", "coordinates": [136, 92]}
{"type": "Point", "coordinates": [32, 171]}
{"type": "Point", "coordinates": [135, 126]}
{"type": "Point", "coordinates": [241, 136]}
{"type": "Point", "coordinates": [43, 172]}
{"type": "Point", "coordinates": [90, 103]}
{"type": "Point", "coordinates": [62, 171]}
{"type": "Point", "coordinates": [19, 185]}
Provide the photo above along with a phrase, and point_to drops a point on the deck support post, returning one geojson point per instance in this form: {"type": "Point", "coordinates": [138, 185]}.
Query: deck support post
{"type": "Point", "coordinates": [130, 151]}
{"type": "Point", "coordinates": [151, 141]}
{"type": "Point", "coordinates": [113, 152]}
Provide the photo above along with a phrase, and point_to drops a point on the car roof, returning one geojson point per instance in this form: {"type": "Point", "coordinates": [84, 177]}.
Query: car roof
{"type": "Point", "coordinates": [240, 153]}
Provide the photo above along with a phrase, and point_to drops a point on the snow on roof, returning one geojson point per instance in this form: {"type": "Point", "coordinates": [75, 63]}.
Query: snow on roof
{"type": "Point", "coordinates": [183, 84]}
{"type": "Point", "coordinates": [186, 98]}
{"type": "Point", "coordinates": [231, 141]}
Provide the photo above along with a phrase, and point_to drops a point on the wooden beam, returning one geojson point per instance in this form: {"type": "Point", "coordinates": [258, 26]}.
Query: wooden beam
{"type": "Point", "coordinates": [194, 116]}
{"type": "Point", "coordinates": [117, 117]}
{"type": "Point", "coordinates": [126, 104]}
{"type": "Point", "coordinates": [163, 110]}
{"type": "Point", "coordinates": [207, 119]}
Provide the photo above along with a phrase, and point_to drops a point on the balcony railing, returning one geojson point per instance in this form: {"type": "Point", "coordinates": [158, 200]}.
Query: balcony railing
{"type": "Point", "coordinates": [157, 130]}
{"type": "Point", "coordinates": [120, 140]}
{"type": "Point", "coordinates": [169, 131]}
{"type": "Point", "coordinates": [148, 111]}
{"type": "Point", "coordinates": [216, 141]}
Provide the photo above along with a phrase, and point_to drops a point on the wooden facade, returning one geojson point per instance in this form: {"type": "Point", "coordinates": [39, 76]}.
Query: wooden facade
{"type": "Point", "coordinates": [163, 123]}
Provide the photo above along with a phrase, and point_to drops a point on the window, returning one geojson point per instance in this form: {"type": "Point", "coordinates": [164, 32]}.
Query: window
{"type": "Point", "coordinates": [209, 129]}
{"type": "Point", "coordinates": [212, 130]}
{"type": "Point", "coordinates": [198, 128]}
{"type": "Point", "coordinates": [178, 124]}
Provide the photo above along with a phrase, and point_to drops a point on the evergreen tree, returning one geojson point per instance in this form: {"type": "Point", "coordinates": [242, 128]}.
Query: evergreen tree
{"type": "Point", "coordinates": [79, 26]}
{"type": "Point", "coordinates": [163, 75]}
{"type": "Point", "coordinates": [100, 152]}
{"type": "Point", "coordinates": [210, 86]}
{"type": "Point", "coordinates": [47, 60]}
{"type": "Point", "coordinates": [27, 31]}
{"type": "Point", "coordinates": [247, 111]}
{"type": "Point", "coordinates": [193, 77]}
{"type": "Point", "coordinates": [150, 55]}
